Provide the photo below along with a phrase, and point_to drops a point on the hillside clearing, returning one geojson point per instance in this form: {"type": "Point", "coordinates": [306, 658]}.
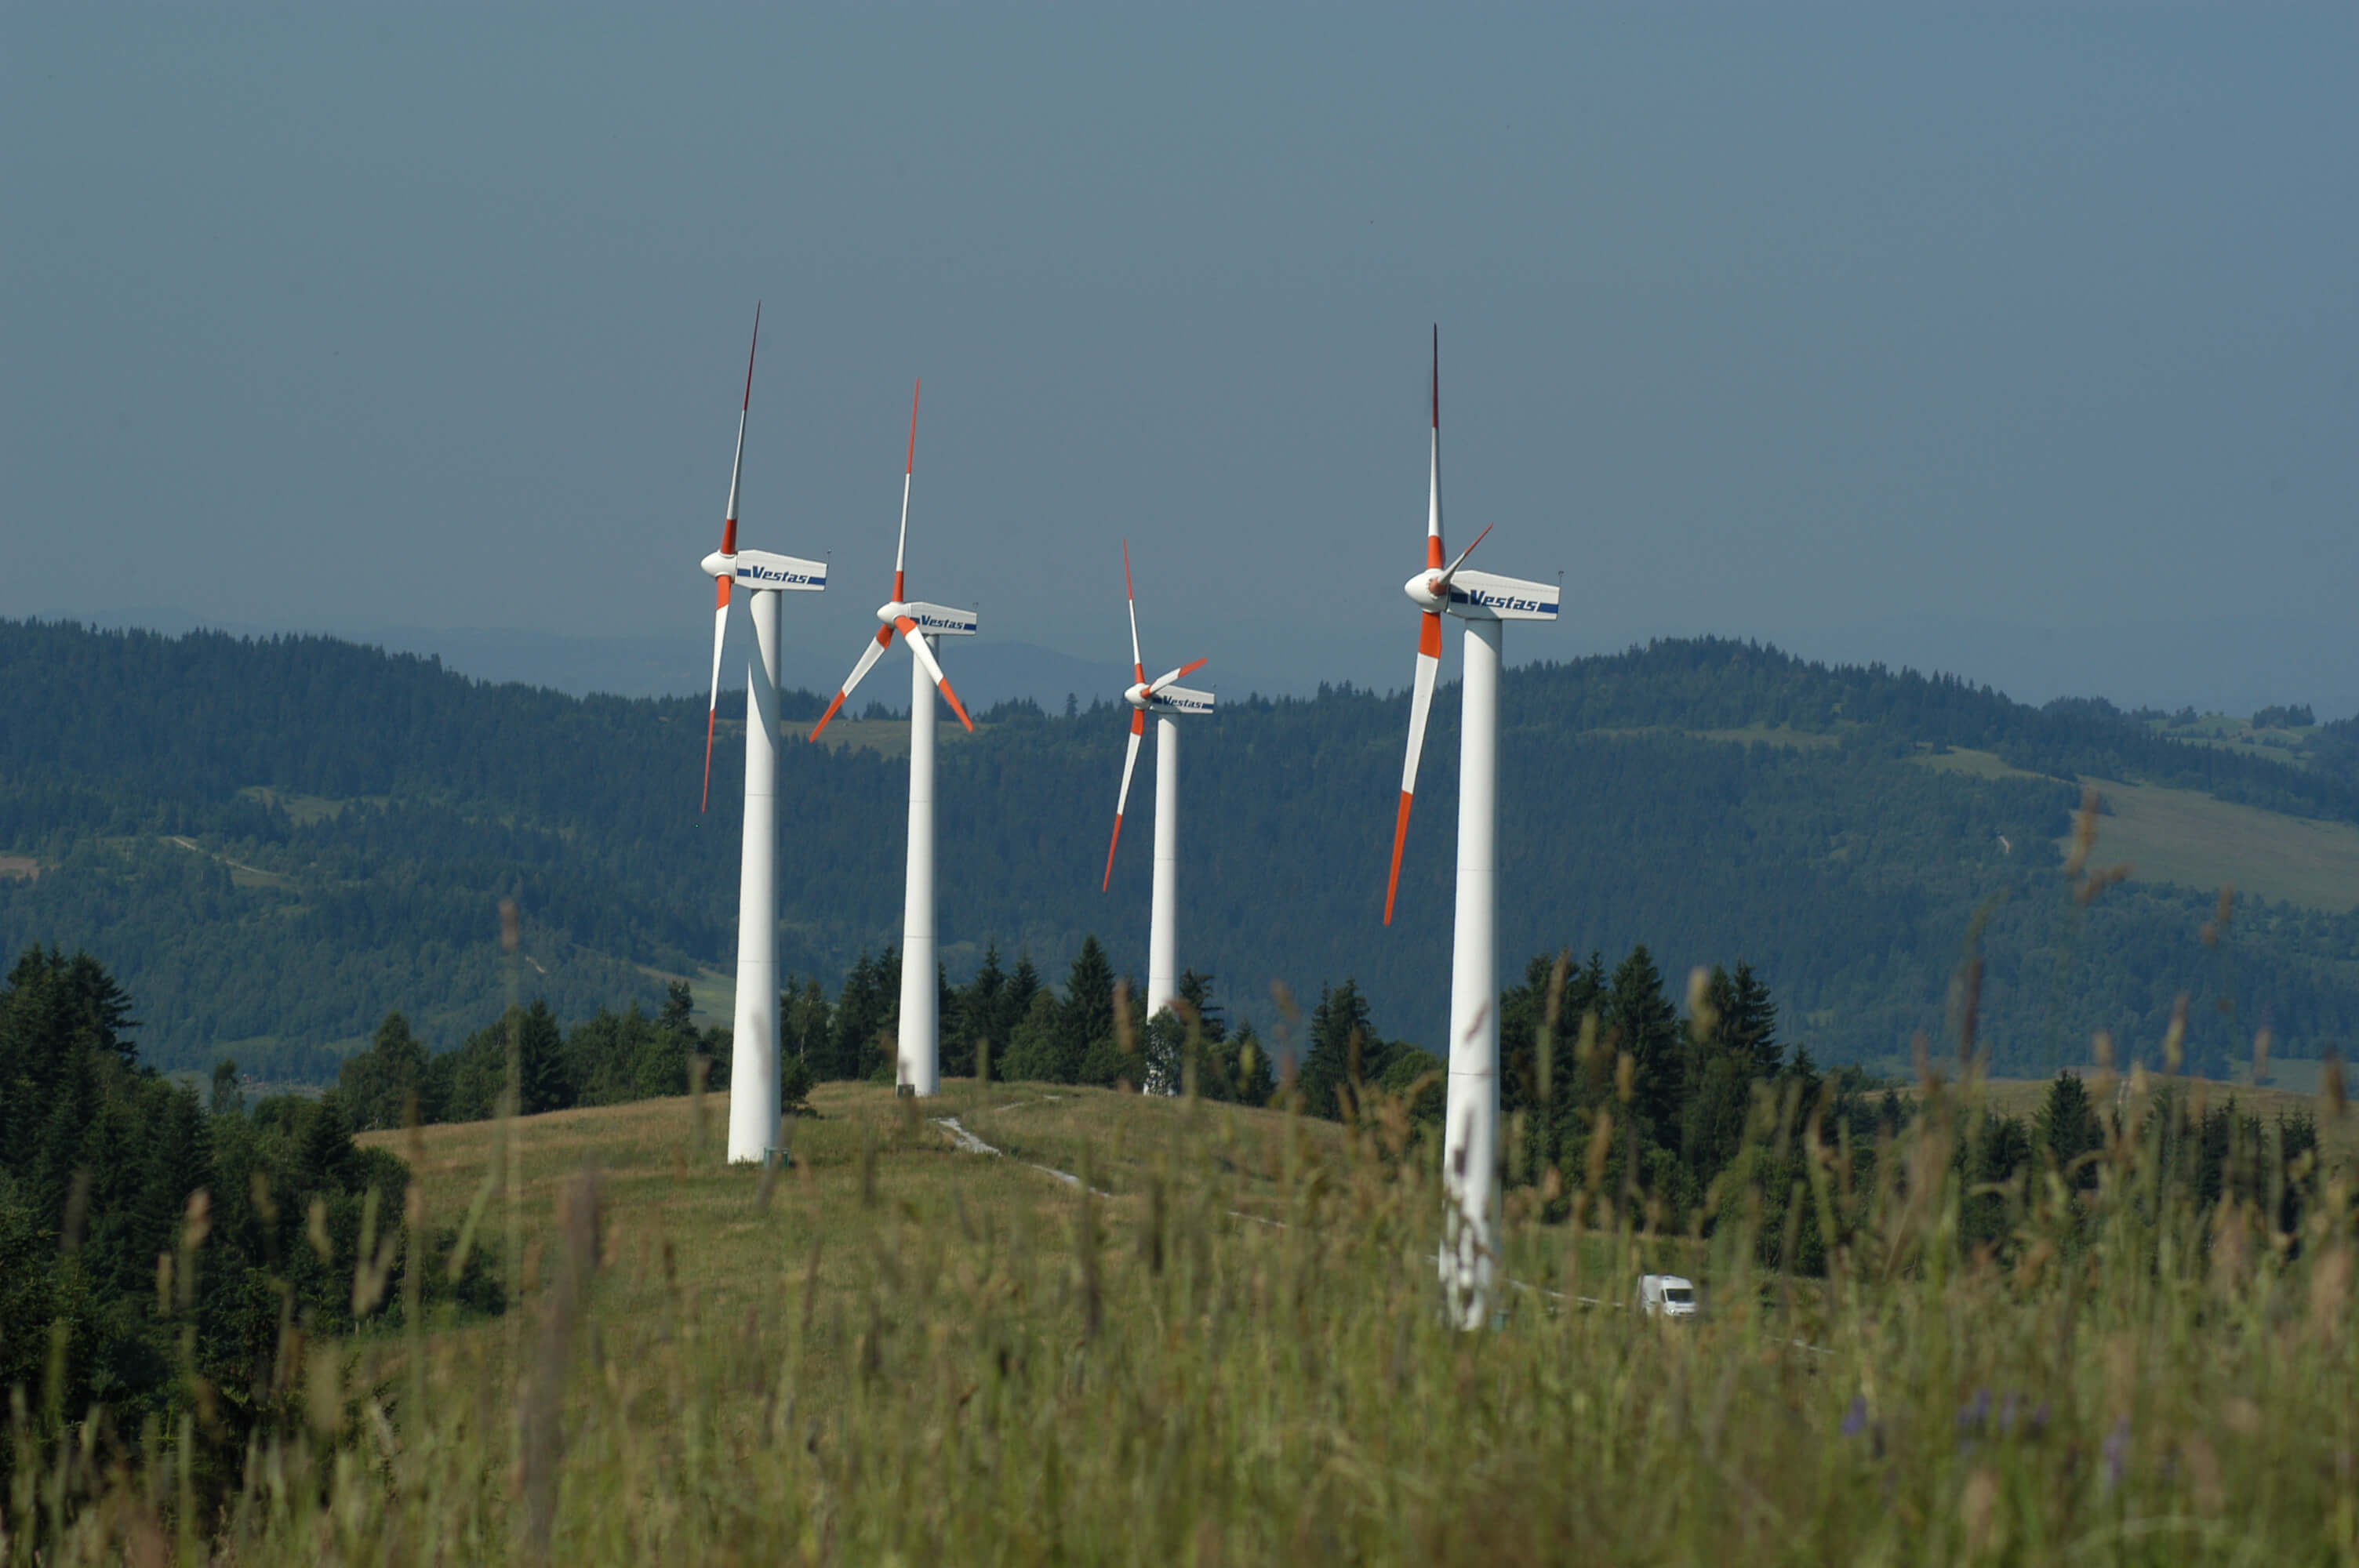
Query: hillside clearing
{"type": "Point", "coordinates": [2194, 839]}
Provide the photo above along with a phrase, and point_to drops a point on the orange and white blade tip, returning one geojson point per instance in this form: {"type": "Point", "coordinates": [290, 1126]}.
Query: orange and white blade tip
{"type": "Point", "coordinates": [1108, 881]}
{"type": "Point", "coordinates": [1400, 838]}
{"type": "Point", "coordinates": [824, 717]}
{"type": "Point", "coordinates": [956, 706]}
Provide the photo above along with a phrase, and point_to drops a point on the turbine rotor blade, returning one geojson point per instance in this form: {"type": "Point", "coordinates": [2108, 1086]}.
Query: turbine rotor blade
{"type": "Point", "coordinates": [909, 468]}
{"type": "Point", "coordinates": [869, 657]}
{"type": "Point", "coordinates": [1170, 675]}
{"type": "Point", "coordinates": [917, 641]}
{"type": "Point", "coordinates": [738, 464]}
{"type": "Point", "coordinates": [1420, 706]}
{"type": "Point", "coordinates": [1129, 762]}
{"type": "Point", "coordinates": [1137, 665]}
{"type": "Point", "coordinates": [723, 604]}
{"type": "Point", "coordinates": [721, 598]}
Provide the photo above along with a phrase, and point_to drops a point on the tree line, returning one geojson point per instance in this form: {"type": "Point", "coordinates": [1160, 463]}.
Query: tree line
{"type": "Point", "coordinates": [1007, 1024]}
{"type": "Point", "coordinates": [274, 872]}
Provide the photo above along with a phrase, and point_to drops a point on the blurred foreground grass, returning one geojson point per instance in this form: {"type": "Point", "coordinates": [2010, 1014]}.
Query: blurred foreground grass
{"type": "Point", "coordinates": [1224, 1344]}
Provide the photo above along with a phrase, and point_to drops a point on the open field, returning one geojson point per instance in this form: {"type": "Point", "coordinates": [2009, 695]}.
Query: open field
{"type": "Point", "coordinates": [1227, 1347]}
{"type": "Point", "coordinates": [2193, 838]}
{"type": "Point", "coordinates": [2183, 836]}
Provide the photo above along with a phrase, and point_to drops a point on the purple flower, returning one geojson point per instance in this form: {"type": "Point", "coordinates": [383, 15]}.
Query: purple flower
{"type": "Point", "coordinates": [2117, 1451]}
{"type": "Point", "coordinates": [2007, 1413]}
{"type": "Point", "coordinates": [1976, 1411]}
{"type": "Point", "coordinates": [1854, 1421]}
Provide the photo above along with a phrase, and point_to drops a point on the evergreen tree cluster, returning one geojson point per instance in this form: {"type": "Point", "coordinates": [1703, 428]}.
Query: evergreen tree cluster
{"type": "Point", "coordinates": [1007, 1021]}
{"type": "Point", "coordinates": [158, 1255]}
{"type": "Point", "coordinates": [611, 1058]}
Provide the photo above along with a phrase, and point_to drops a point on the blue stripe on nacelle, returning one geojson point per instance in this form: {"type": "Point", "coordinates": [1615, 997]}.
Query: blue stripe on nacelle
{"type": "Point", "coordinates": [766, 577]}
{"type": "Point", "coordinates": [1490, 600]}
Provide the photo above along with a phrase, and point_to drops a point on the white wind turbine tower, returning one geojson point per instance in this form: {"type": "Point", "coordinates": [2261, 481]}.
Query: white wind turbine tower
{"type": "Point", "coordinates": [920, 1033]}
{"type": "Point", "coordinates": [1167, 700]}
{"type": "Point", "coordinates": [754, 1043]}
{"type": "Point", "coordinates": [1471, 1124]}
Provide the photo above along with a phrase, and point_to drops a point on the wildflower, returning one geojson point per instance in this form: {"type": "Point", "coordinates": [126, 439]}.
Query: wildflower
{"type": "Point", "coordinates": [2007, 1413]}
{"type": "Point", "coordinates": [1976, 1411]}
{"type": "Point", "coordinates": [1854, 1421]}
{"type": "Point", "coordinates": [2117, 1451]}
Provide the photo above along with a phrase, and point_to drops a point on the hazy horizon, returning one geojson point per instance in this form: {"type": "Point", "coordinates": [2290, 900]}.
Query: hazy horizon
{"type": "Point", "coordinates": [2032, 666]}
{"type": "Point", "coordinates": [2017, 345]}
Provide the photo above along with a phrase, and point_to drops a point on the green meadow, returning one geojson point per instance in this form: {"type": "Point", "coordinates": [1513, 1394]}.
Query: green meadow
{"type": "Point", "coordinates": [1164, 1331]}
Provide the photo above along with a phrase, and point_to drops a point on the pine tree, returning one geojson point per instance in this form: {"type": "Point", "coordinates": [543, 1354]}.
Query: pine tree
{"type": "Point", "coordinates": [228, 1098]}
{"type": "Point", "coordinates": [542, 1079]}
{"type": "Point", "coordinates": [864, 1010]}
{"type": "Point", "coordinates": [1015, 1000]}
{"type": "Point", "coordinates": [973, 1016]}
{"type": "Point", "coordinates": [1087, 1016]}
{"type": "Point", "coordinates": [1523, 1013]}
{"type": "Point", "coordinates": [1749, 1022]}
{"type": "Point", "coordinates": [377, 1083]}
{"type": "Point", "coordinates": [1640, 1022]}
{"type": "Point", "coordinates": [1032, 1050]}
{"type": "Point", "coordinates": [1196, 990]}
{"type": "Point", "coordinates": [1342, 1039]}
{"type": "Point", "coordinates": [324, 1148]}
{"type": "Point", "coordinates": [1256, 1079]}
{"type": "Point", "coordinates": [804, 1026]}
{"type": "Point", "coordinates": [2068, 1127]}
{"type": "Point", "coordinates": [679, 1014]}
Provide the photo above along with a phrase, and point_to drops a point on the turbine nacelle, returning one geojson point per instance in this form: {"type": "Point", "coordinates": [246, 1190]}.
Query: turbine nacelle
{"type": "Point", "coordinates": [933, 619]}
{"type": "Point", "coordinates": [766, 569]}
{"type": "Point", "coordinates": [1149, 698]}
{"type": "Point", "coordinates": [1484, 596]}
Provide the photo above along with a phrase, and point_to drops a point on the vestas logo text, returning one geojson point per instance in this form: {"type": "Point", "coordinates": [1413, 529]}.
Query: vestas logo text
{"type": "Point", "coordinates": [929, 622]}
{"type": "Point", "coordinates": [772, 574]}
{"type": "Point", "coordinates": [1500, 601]}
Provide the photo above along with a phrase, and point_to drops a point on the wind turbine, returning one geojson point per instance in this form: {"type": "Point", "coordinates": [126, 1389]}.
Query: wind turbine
{"type": "Point", "coordinates": [919, 1066]}
{"type": "Point", "coordinates": [1471, 1125]}
{"type": "Point", "coordinates": [754, 1041]}
{"type": "Point", "coordinates": [1167, 700]}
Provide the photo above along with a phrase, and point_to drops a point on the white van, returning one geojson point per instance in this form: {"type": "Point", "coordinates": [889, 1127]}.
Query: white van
{"type": "Point", "coordinates": [1665, 1295]}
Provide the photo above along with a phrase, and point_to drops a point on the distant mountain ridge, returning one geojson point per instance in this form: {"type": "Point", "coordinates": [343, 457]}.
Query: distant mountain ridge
{"type": "Point", "coordinates": [274, 841]}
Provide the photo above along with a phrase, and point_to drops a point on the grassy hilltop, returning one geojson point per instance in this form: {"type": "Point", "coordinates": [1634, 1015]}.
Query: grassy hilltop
{"type": "Point", "coordinates": [1227, 1348]}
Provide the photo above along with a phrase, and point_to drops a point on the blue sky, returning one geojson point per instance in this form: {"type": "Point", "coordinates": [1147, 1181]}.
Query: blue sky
{"type": "Point", "coordinates": [2019, 341]}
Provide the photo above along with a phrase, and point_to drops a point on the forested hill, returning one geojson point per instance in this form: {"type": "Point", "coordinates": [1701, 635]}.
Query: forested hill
{"type": "Point", "coordinates": [272, 843]}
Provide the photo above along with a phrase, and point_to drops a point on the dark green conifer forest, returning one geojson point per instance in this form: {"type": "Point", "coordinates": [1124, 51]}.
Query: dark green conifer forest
{"type": "Point", "coordinates": [158, 1251]}
{"type": "Point", "coordinates": [276, 843]}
